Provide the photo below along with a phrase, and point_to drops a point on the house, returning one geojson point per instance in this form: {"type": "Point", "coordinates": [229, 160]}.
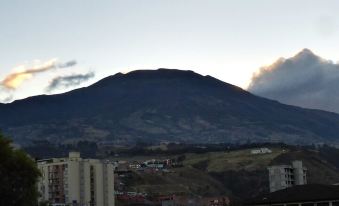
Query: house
{"type": "Point", "coordinates": [261, 151]}
{"type": "Point", "coordinates": [156, 164]}
{"type": "Point", "coordinates": [216, 201]}
{"type": "Point", "coordinates": [135, 165]}
{"type": "Point", "coordinates": [300, 195]}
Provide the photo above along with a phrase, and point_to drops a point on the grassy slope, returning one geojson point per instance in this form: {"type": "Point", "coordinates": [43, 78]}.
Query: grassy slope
{"type": "Point", "coordinates": [320, 170]}
{"type": "Point", "coordinates": [241, 172]}
{"type": "Point", "coordinates": [236, 160]}
{"type": "Point", "coordinates": [186, 181]}
{"type": "Point", "coordinates": [235, 173]}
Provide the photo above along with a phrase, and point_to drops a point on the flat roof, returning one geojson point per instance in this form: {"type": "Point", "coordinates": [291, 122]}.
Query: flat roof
{"type": "Point", "coordinates": [299, 193]}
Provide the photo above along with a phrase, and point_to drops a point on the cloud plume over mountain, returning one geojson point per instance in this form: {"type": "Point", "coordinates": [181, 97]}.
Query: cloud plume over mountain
{"type": "Point", "coordinates": [304, 80]}
{"type": "Point", "coordinates": [67, 81]}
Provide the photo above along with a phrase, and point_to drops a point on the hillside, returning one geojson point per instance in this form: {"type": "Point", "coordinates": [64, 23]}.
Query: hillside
{"type": "Point", "coordinates": [236, 173]}
{"type": "Point", "coordinates": [156, 105]}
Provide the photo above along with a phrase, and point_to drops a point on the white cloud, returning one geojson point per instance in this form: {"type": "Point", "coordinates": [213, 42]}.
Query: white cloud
{"type": "Point", "coordinates": [304, 80]}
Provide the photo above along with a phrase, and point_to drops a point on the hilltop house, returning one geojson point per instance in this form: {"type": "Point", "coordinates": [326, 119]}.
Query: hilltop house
{"type": "Point", "coordinates": [261, 151]}
{"type": "Point", "coordinates": [154, 164]}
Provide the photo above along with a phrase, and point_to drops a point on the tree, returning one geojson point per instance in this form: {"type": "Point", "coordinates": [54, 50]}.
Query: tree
{"type": "Point", "coordinates": [18, 176]}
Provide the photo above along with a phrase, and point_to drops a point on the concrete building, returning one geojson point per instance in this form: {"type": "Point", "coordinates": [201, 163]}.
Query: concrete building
{"type": "Point", "coordinates": [284, 176]}
{"type": "Point", "coordinates": [76, 181]}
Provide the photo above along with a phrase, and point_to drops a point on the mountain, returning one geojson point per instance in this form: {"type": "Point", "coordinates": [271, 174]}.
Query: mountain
{"type": "Point", "coordinates": [305, 80]}
{"type": "Point", "coordinates": [163, 104]}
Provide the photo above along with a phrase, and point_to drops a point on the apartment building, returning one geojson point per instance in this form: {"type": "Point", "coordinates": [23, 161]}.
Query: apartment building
{"type": "Point", "coordinates": [76, 181]}
{"type": "Point", "coordinates": [284, 176]}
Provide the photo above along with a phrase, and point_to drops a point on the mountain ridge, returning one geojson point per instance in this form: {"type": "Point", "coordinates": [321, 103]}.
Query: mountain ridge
{"type": "Point", "coordinates": [164, 104]}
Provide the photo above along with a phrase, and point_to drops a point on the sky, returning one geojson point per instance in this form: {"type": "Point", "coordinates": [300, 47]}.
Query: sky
{"type": "Point", "coordinates": [73, 43]}
{"type": "Point", "coordinates": [304, 80]}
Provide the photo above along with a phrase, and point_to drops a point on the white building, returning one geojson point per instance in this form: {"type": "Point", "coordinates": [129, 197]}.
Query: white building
{"type": "Point", "coordinates": [284, 176]}
{"type": "Point", "coordinates": [76, 181]}
{"type": "Point", "coordinates": [261, 151]}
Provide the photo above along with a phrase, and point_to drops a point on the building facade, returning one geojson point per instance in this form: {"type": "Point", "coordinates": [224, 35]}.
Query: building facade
{"type": "Point", "coordinates": [76, 181]}
{"type": "Point", "coordinates": [284, 176]}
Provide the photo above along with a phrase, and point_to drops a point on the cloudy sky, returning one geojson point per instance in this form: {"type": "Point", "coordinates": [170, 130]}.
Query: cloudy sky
{"type": "Point", "coordinates": [53, 46]}
{"type": "Point", "coordinates": [305, 80]}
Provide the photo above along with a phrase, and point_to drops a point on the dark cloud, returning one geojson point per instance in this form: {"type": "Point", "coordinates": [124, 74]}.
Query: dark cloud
{"type": "Point", "coordinates": [67, 64]}
{"type": "Point", "coordinates": [63, 82]}
{"type": "Point", "coordinates": [304, 80]}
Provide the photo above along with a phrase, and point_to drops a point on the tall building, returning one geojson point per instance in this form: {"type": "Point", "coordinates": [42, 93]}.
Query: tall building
{"type": "Point", "coordinates": [76, 181]}
{"type": "Point", "coordinates": [284, 176]}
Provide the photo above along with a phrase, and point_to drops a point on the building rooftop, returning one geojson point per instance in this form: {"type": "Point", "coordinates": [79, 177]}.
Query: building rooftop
{"type": "Point", "coordinates": [299, 193]}
{"type": "Point", "coordinates": [72, 156]}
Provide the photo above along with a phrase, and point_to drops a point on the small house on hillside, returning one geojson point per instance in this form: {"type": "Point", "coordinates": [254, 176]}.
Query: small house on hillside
{"type": "Point", "coordinates": [135, 165]}
{"type": "Point", "coordinates": [261, 151]}
{"type": "Point", "coordinates": [156, 164]}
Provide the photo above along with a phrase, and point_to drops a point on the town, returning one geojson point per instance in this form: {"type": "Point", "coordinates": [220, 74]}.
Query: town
{"type": "Point", "coordinates": [137, 180]}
